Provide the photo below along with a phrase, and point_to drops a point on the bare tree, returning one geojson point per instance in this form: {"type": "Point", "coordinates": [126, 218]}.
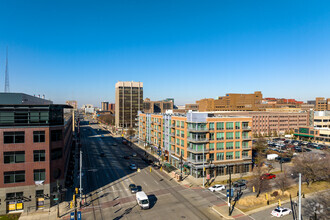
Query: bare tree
{"type": "Point", "coordinates": [317, 207]}
{"type": "Point", "coordinates": [283, 180]}
{"type": "Point", "coordinates": [260, 145]}
{"type": "Point", "coordinates": [260, 184]}
{"type": "Point", "coordinates": [312, 166]}
{"type": "Point", "coordinates": [130, 132]}
{"type": "Point", "coordinates": [107, 119]}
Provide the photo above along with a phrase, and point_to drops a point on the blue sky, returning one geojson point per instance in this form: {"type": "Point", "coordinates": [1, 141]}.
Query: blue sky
{"type": "Point", "coordinates": [183, 49]}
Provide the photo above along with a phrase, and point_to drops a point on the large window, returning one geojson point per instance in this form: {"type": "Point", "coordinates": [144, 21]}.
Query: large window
{"type": "Point", "coordinates": [229, 145]}
{"type": "Point", "coordinates": [237, 145]}
{"type": "Point", "coordinates": [211, 146]}
{"type": "Point", "coordinates": [13, 137]}
{"type": "Point", "coordinates": [229, 155]}
{"type": "Point", "coordinates": [14, 157]}
{"type": "Point", "coordinates": [38, 136]}
{"type": "Point", "coordinates": [230, 125]}
{"type": "Point", "coordinates": [14, 177]}
{"type": "Point", "coordinates": [245, 154]}
{"type": "Point", "coordinates": [220, 136]}
{"type": "Point", "coordinates": [211, 157]}
{"type": "Point", "coordinates": [56, 154]}
{"type": "Point", "coordinates": [220, 146]}
{"type": "Point", "coordinates": [220, 156]}
{"type": "Point", "coordinates": [38, 155]}
{"type": "Point", "coordinates": [237, 135]}
{"type": "Point", "coordinates": [237, 154]}
{"type": "Point", "coordinates": [211, 126]}
{"type": "Point", "coordinates": [230, 135]}
{"type": "Point", "coordinates": [39, 175]}
{"type": "Point", "coordinates": [238, 125]}
{"type": "Point", "coordinates": [56, 135]}
{"type": "Point", "coordinates": [211, 136]}
{"type": "Point", "coordinates": [220, 125]}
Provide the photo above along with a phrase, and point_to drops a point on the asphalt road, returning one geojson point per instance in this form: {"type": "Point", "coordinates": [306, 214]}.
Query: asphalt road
{"type": "Point", "coordinates": [106, 180]}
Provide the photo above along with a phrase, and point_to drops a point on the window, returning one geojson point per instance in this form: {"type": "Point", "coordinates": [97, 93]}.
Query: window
{"type": "Point", "coordinates": [211, 146]}
{"type": "Point", "coordinates": [230, 135]}
{"type": "Point", "coordinates": [38, 155]}
{"type": "Point", "coordinates": [56, 135]}
{"type": "Point", "coordinates": [237, 154]}
{"type": "Point", "coordinates": [38, 136]}
{"type": "Point", "coordinates": [182, 143]}
{"type": "Point", "coordinates": [211, 136]}
{"type": "Point", "coordinates": [237, 125]}
{"type": "Point", "coordinates": [14, 157]}
{"type": "Point", "coordinates": [182, 134]}
{"type": "Point", "coordinates": [177, 124]}
{"type": "Point", "coordinates": [237, 135]}
{"type": "Point", "coordinates": [14, 137]}
{"type": "Point", "coordinates": [56, 154]}
{"type": "Point", "coordinates": [177, 133]}
{"type": "Point", "coordinates": [182, 153]}
{"type": "Point", "coordinates": [220, 136]}
{"type": "Point", "coordinates": [220, 146]}
{"type": "Point", "coordinates": [229, 145]}
{"type": "Point", "coordinates": [39, 175]}
{"type": "Point", "coordinates": [245, 154]}
{"type": "Point", "coordinates": [229, 155]}
{"type": "Point", "coordinates": [211, 157]}
{"type": "Point", "coordinates": [178, 151]}
{"type": "Point", "coordinates": [178, 141]}
{"type": "Point", "coordinates": [14, 177]}
{"type": "Point", "coordinates": [211, 126]}
{"type": "Point", "coordinates": [246, 168]}
{"type": "Point", "coordinates": [237, 145]}
{"type": "Point", "coordinates": [39, 194]}
{"type": "Point", "coordinates": [220, 156]}
{"type": "Point", "coordinates": [245, 144]}
{"type": "Point", "coordinates": [182, 124]}
{"type": "Point", "coordinates": [220, 125]}
{"type": "Point", "coordinates": [230, 125]}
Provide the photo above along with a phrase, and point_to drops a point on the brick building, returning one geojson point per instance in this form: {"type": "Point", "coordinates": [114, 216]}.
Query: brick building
{"type": "Point", "coordinates": [35, 143]}
{"type": "Point", "coordinates": [322, 104]}
{"type": "Point", "coordinates": [231, 102]}
{"type": "Point", "coordinates": [218, 143]}
{"type": "Point", "coordinates": [156, 106]}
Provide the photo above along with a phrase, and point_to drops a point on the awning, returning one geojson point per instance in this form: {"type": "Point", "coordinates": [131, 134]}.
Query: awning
{"type": "Point", "coordinates": [304, 135]}
{"type": "Point", "coordinates": [175, 157]}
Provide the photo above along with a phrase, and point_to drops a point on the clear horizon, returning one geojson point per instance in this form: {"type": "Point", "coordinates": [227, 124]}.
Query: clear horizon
{"type": "Point", "coordinates": [186, 50]}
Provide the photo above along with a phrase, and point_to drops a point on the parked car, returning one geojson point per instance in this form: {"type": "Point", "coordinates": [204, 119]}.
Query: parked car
{"type": "Point", "coordinates": [134, 155]}
{"type": "Point", "coordinates": [242, 181]}
{"type": "Point", "coordinates": [268, 176]}
{"type": "Point", "coordinates": [283, 159]}
{"type": "Point", "coordinates": [132, 166]}
{"type": "Point", "coordinates": [133, 188]}
{"type": "Point", "coordinates": [239, 185]}
{"type": "Point", "coordinates": [217, 188]}
{"type": "Point", "coordinates": [126, 157]}
{"type": "Point", "coordinates": [280, 211]}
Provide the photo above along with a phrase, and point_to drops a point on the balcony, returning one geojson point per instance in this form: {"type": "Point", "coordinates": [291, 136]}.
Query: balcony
{"type": "Point", "coordinates": [198, 151]}
{"type": "Point", "coordinates": [172, 134]}
{"type": "Point", "coordinates": [246, 147]}
{"type": "Point", "coordinates": [198, 130]}
{"type": "Point", "coordinates": [246, 128]}
{"type": "Point", "coordinates": [198, 140]}
{"type": "Point", "coordinates": [246, 157]}
{"type": "Point", "coordinates": [246, 137]}
{"type": "Point", "coordinates": [191, 160]}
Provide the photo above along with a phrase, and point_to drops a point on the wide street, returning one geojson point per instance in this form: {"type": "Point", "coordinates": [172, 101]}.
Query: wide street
{"type": "Point", "coordinates": [106, 179]}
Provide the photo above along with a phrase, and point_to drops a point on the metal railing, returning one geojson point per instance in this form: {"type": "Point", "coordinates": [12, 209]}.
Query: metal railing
{"type": "Point", "coordinates": [197, 140]}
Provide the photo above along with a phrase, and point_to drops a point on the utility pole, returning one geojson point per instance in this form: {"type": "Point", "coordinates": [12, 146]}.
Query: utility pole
{"type": "Point", "coordinates": [203, 168]}
{"type": "Point", "coordinates": [80, 186]}
{"type": "Point", "coordinates": [299, 207]}
{"type": "Point", "coordinates": [229, 196]}
{"type": "Point", "coordinates": [181, 167]}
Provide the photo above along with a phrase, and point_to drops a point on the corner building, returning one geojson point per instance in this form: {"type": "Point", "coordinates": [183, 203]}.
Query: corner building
{"type": "Point", "coordinates": [222, 143]}
{"type": "Point", "coordinates": [35, 143]}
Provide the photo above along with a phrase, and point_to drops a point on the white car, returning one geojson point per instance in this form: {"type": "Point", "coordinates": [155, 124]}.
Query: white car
{"type": "Point", "coordinates": [281, 211]}
{"type": "Point", "coordinates": [132, 166]}
{"type": "Point", "coordinates": [217, 188]}
{"type": "Point", "coordinates": [134, 155]}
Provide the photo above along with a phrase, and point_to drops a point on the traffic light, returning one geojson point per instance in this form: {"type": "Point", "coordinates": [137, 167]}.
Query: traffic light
{"type": "Point", "coordinates": [76, 190]}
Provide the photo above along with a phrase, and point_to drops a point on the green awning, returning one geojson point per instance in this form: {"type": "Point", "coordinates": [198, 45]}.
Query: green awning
{"type": "Point", "coordinates": [304, 135]}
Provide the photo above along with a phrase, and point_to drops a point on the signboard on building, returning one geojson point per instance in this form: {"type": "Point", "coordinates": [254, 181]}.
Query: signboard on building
{"type": "Point", "coordinates": [304, 130]}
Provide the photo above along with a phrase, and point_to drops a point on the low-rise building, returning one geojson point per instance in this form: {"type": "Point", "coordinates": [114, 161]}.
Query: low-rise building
{"type": "Point", "coordinates": [322, 119]}
{"type": "Point", "coordinates": [156, 106]}
{"type": "Point", "coordinates": [221, 144]}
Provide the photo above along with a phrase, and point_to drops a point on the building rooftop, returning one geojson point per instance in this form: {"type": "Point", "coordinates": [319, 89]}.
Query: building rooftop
{"type": "Point", "coordinates": [22, 98]}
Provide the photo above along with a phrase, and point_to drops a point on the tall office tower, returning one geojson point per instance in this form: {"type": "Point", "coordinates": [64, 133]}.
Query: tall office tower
{"type": "Point", "coordinates": [129, 100]}
{"type": "Point", "coordinates": [105, 106]}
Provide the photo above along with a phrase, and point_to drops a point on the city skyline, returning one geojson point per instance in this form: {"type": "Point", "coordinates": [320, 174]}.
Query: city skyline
{"type": "Point", "coordinates": [180, 50]}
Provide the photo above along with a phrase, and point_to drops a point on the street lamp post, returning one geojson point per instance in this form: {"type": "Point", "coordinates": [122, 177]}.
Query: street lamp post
{"type": "Point", "coordinates": [181, 167]}
{"type": "Point", "coordinates": [203, 168]}
{"type": "Point", "coordinates": [229, 194]}
{"type": "Point", "coordinates": [299, 208]}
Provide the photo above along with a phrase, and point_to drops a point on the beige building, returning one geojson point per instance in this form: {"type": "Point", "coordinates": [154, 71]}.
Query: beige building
{"type": "Point", "coordinates": [129, 100]}
{"type": "Point", "coordinates": [272, 122]}
{"type": "Point", "coordinates": [104, 106]}
{"type": "Point", "coordinates": [72, 103]}
{"type": "Point", "coordinates": [322, 104]}
{"type": "Point", "coordinates": [322, 119]}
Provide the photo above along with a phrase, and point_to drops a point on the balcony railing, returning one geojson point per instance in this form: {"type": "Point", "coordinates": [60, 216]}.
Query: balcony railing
{"type": "Point", "coordinates": [193, 160]}
{"type": "Point", "coordinates": [198, 140]}
{"type": "Point", "coordinates": [197, 150]}
{"type": "Point", "coordinates": [192, 129]}
{"type": "Point", "coordinates": [246, 128]}
{"type": "Point", "coordinates": [246, 157]}
{"type": "Point", "coordinates": [246, 137]}
{"type": "Point", "coordinates": [246, 147]}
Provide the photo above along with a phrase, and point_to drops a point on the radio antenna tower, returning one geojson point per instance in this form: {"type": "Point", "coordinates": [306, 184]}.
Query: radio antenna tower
{"type": "Point", "coordinates": [7, 74]}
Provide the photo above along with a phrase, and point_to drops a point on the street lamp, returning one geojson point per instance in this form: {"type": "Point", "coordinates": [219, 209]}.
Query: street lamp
{"type": "Point", "coordinates": [229, 194]}
{"type": "Point", "coordinates": [181, 167]}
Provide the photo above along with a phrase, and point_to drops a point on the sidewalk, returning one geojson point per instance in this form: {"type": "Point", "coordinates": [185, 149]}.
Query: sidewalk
{"type": "Point", "coordinates": [46, 214]}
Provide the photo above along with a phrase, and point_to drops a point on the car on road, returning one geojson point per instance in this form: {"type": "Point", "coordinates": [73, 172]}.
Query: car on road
{"type": "Point", "coordinates": [134, 155]}
{"type": "Point", "coordinates": [142, 200]}
{"type": "Point", "coordinates": [132, 166]}
{"type": "Point", "coordinates": [217, 188]}
{"type": "Point", "coordinates": [268, 176]}
{"type": "Point", "coordinates": [126, 157]}
{"type": "Point", "coordinates": [242, 181]}
{"type": "Point", "coordinates": [133, 188]}
{"type": "Point", "coordinates": [280, 211]}
{"type": "Point", "coordinates": [239, 185]}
